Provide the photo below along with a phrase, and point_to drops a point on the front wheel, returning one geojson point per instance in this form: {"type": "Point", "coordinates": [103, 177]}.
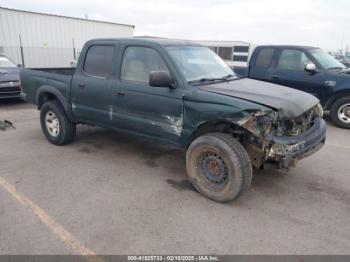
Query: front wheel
{"type": "Point", "coordinates": [219, 167]}
{"type": "Point", "coordinates": [340, 112]}
{"type": "Point", "coordinates": [56, 126]}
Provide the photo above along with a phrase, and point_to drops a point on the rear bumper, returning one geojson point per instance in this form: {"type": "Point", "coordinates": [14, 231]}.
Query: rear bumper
{"type": "Point", "coordinates": [286, 150]}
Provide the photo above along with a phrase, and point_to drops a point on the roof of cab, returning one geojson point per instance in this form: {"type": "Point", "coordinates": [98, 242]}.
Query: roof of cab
{"type": "Point", "coordinates": [289, 46]}
{"type": "Point", "coordinates": [158, 40]}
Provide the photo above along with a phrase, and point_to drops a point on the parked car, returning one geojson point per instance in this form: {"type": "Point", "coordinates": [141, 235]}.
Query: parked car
{"type": "Point", "coordinates": [308, 69]}
{"type": "Point", "coordinates": [9, 79]}
{"type": "Point", "coordinates": [181, 93]}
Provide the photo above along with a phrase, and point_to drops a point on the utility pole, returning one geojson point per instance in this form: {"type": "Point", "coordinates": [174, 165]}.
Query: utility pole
{"type": "Point", "coordinates": [74, 54]}
{"type": "Point", "coordinates": [21, 47]}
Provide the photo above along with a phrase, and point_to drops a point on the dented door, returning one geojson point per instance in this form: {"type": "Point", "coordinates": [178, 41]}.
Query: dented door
{"type": "Point", "coordinates": [139, 107]}
{"type": "Point", "coordinates": [91, 84]}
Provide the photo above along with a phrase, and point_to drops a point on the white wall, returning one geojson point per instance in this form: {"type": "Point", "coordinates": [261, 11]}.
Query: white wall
{"type": "Point", "coordinates": [47, 39]}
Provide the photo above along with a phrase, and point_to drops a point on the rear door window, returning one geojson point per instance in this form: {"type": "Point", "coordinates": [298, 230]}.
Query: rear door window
{"type": "Point", "coordinates": [264, 58]}
{"type": "Point", "coordinates": [99, 60]}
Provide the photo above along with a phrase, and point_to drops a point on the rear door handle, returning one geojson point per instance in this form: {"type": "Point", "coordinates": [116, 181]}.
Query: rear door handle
{"type": "Point", "coordinates": [81, 86]}
{"type": "Point", "coordinates": [275, 77]}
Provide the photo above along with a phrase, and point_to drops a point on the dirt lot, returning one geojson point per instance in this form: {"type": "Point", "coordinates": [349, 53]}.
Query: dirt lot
{"type": "Point", "coordinates": [110, 193]}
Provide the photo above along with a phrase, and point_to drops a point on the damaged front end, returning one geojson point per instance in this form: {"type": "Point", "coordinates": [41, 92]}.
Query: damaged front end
{"type": "Point", "coordinates": [283, 141]}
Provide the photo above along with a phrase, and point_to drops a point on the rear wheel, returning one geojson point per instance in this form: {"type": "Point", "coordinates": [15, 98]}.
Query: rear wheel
{"type": "Point", "coordinates": [56, 126]}
{"type": "Point", "coordinates": [219, 166]}
{"type": "Point", "coordinates": [340, 112]}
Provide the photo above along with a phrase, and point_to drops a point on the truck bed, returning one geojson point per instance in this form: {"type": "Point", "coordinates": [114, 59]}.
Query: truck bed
{"type": "Point", "coordinates": [33, 79]}
{"type": "Point", "coordinates": [69, 71]}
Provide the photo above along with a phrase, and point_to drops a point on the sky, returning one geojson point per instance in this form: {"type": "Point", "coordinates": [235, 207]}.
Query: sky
{"type": "Point", "coordinates": [323, 23]}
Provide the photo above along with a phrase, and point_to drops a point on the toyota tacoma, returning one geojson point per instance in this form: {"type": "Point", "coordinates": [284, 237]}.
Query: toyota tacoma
{"type": "Point", "coordinates": [182, 93]}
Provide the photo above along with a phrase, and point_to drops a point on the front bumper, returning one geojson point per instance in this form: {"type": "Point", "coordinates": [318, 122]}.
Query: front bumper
{"type": "Point", "coordinates": [286, 149]}
{"type": "Point", "coordinates": [8, 90]}
{"type": "Point", "coordinates": [10, 95]}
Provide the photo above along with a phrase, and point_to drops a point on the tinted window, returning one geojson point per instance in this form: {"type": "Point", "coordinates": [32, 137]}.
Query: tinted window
{"type": "Point", "coordinates": [264, 58]}
{"type": "Point", "coordinates": [292, 60]}
{"type": "Point", "coordinates": [241, 49]}
{"type": "Point", "coordinates": [225, 53]}
{"type": "Point", "coordinates": [98, 61]}
{"type": "Point", "coordinates": [138, 62]}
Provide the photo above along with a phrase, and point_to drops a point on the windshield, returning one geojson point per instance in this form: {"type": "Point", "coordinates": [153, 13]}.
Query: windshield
{"type": "Point", "coordinates": [198, 62]}
{"type": "Point", "coordinates": [325, 59]}
{"type": "Point", "coordinates": [5, 62]}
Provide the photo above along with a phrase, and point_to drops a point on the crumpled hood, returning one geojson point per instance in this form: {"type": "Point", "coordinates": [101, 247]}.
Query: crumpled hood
{"type": "Point", "coordinates": [289, 102]}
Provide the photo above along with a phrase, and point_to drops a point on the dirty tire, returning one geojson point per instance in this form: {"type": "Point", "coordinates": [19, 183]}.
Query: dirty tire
{"type": "Point", "coordinates": [337, 105]}
{"type": "Point", "coordinates": [234, 174]}
{"type": "Point", "coordinates": [67, 129]}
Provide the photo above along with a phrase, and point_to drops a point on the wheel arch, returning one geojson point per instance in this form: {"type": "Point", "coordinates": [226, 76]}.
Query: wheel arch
{"type": "Point", "coordinates": [46, 93]}
{"type": "Point", "coordinates": [335, 97]}
{"type": "Point", "coordinates": [215, 126]}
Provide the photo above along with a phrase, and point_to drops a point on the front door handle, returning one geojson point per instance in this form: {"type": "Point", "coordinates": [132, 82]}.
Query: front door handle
{"type": "Point", "coordinates": [275, 77]}
{"type": "Point", "coordinates": [81, 86]}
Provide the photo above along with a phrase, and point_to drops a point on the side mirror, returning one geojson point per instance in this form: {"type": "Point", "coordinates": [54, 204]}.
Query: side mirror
{"type": "Point", "coordinates": [19, 65]}
{"type": "Point", "coordinates": [160, 79]}
{"type": "Point", "coordinates": [311, 67]}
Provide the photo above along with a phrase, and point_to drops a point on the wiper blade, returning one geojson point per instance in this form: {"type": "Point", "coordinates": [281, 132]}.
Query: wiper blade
{"type": "Point", "coordinates": [202, 80]}
{"type": "Point", "coordinates": [229, 76]}
{"type": "Point", "coordinates": [335, 67]}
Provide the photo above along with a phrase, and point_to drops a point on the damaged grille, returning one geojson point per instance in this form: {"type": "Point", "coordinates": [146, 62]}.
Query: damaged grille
{"type": "Point", "coordinates": [296, 126]}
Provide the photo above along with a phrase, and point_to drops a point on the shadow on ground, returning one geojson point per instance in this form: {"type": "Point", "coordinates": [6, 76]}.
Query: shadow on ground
{"type": "Point", "coordinates": [14, 104]}
{"type": "Point", "coordinates": [158, 155]}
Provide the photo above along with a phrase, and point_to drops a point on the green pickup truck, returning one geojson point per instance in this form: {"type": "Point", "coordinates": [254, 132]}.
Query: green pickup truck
{"type": "Point", "coordinates": [182, 93]}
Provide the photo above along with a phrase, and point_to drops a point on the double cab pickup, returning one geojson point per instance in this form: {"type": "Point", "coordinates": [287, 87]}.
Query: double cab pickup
{"type": "Point", "coordinates": [181, 93]}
